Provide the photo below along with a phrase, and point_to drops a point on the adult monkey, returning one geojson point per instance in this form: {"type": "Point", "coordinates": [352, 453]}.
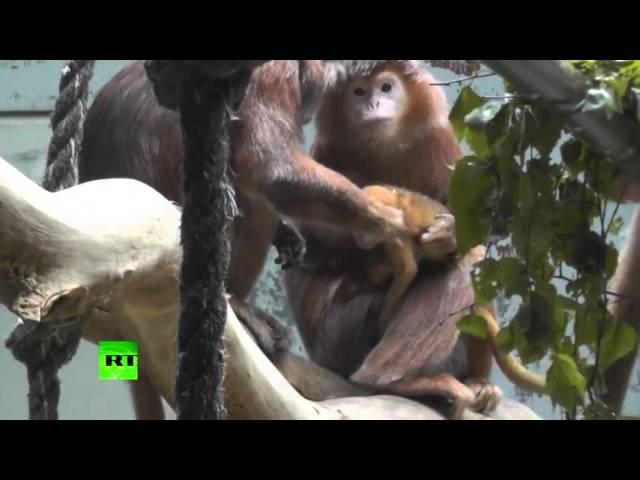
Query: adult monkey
{"type": "Point", "coordinates": [127, 134]}
{"type": "Point", "coordinates": [389, 125]}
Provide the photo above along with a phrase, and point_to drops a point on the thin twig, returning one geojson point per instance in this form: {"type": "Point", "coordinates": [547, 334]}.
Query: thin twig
{"type": "Point", "coordinates": [468, 307]}
{"type": "Point", "coordinates": [464, 79]}
{"type": "Point", "coordinates": [622, 295]}
{"type": "Point", "coordinates": [502, 97]}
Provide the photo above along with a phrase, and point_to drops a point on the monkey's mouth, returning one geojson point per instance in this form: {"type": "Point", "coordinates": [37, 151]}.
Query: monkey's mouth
{"type": "Point", "coordinates": [373, 119]}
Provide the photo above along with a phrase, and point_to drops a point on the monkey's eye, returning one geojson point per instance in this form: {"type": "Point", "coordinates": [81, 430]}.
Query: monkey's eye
{"type": "Point", "coordinates": [359, 91]}
{"type": "Point", "coordinates": [386, 87]}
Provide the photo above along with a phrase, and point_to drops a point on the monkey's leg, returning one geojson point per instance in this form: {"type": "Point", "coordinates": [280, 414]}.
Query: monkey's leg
{"type": "Point", "coordinates": [422, 353]}
{"type": "Point", "coordinates": [480, 360]}
{"type": "Point", "coordinates": [442, 384]}
{"type": "Point", "coordinates": [147, 402]}
{"type": "Point", "coordinates": [405, 269]}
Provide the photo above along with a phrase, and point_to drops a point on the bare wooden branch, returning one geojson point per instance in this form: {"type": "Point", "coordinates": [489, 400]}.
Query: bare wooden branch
{"type": "Point", "coordinates": [113, 260]}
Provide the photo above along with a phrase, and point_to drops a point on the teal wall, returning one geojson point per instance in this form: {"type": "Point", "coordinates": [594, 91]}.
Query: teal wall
{"type": "Point", "coordinates": [31, 86]}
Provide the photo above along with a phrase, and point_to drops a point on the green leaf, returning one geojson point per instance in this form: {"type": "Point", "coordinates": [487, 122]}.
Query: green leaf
{"type": "Point", "coordinates": [565, 383]}
{"type": "Point", "coordinates": [479, 118]}
{"type": "Point", "coordinates": [486, 281]}
{"type": "Point", "coordinates": [566, 218]}
{"type": "Point", "coordinates": [513, 276]}
{"type": "Point", "coordinates": [532, 235]}
{"type": "Point", "coordinates": [473, 325]}
{"type": "Point", "coordinates": [586, 325]}
{"type": "Point", "coordinates": [497, 128]}
{"type": "Point", "coordinates": [611, 260]}
{"type": "Point", "coordinates": [467, 101]}
{"type": "Point", "coordinates": [504, 144]}
{"type": "Point", "coordinates": [573, 192]}
{"type": "Point", "coordinates": [531, 330]}
{"type": "Point", "coordinates": [473, 188]}
{"type": "Point", "coordinates": [587, 67]}
{"type": "Point", "coordinates": [478, 143]}
{"type": "Point", "coordinates": [542, 179]}
{"type": "Point", "coordinates": [619, 85]}
{"type": "Point", "coordinates": [589, 253]}
{"type": "Point", "coordinates": [558, 318]}
{"type": "Point", "coordinates": [565, 346]}
{"type": "Point", "coordinates": [543, 320]}
{"type": "Point", "coordinates": [618, 341]}
{"type": "Point", "coordinates": [615, 226]}
{"type": "Point", "coordinates": [600, 173]}
{"type": "Point", "coordinates": [572, 156]}
{"type": "Point", "coordinates": [576, 287]}
{"type": "Point", "coordinates": [526, 198]}
{"type": "Point", "coordinates": [542, 129]}
{"type": "Point", "coordinates": [508, 180]}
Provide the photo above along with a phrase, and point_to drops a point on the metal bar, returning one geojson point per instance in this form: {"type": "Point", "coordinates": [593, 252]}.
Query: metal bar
{"type": "Point", "coordinates": [558, 86]}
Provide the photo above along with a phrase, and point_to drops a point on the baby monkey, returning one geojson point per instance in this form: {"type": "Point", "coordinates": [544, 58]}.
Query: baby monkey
{"type": "Point", "coordinates": [404, 252]}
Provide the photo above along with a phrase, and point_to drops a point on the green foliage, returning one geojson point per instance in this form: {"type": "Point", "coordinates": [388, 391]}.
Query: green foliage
{"type": "Point", "coordinates": [474, 325]}
{"type": "Point", "coordinates": [471, 195]}
{"type": "Point", "coordinates": [554, 216]}
{"type": "Point", "coordinates": [565, 383]}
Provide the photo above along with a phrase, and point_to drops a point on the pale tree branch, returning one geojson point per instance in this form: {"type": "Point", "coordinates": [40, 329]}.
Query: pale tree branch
{"type": "Point", "coordinates": [109, 252]}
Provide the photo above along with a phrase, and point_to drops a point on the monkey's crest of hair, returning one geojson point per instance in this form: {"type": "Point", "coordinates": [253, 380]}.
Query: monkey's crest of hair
{"type": "Point", "coordinates": [409, 69]}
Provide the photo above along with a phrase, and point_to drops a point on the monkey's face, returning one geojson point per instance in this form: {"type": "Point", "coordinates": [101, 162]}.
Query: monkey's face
{"type": "Point", "coordinates": [375, 101]}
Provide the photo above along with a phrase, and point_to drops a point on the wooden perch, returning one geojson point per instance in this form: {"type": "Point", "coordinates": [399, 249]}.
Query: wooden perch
{"type": "Point", "coordinates": [109, 252]}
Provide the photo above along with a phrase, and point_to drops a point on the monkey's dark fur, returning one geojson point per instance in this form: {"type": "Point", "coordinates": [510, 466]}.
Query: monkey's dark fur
{"type": "Point", "coordinates": [127, 134]}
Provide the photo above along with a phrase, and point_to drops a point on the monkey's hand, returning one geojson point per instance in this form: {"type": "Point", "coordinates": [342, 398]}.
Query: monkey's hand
{"type": "Point", "coordinates": [270, 335]}
{"type": "Point", "coordinates": [290, 245]}
{"type": "Point", "coordinates": [440, 240]}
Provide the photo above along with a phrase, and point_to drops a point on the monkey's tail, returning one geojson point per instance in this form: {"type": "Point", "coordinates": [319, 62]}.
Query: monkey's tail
{"type": "Point", "coordinates": [517, 373]}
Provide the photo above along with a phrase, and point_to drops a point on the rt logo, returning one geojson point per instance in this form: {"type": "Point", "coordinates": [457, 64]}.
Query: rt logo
{"type": "Point", "coordinates": [118, 361]}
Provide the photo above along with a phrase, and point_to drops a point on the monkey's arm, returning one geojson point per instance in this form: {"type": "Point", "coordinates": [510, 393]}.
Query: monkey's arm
{"type": "Point", "coordinates": [310, 192]}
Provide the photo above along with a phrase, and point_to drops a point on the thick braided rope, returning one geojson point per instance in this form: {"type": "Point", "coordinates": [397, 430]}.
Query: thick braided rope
{"type": "Point", "coordinates": [44, 350]}
{"type": "Point", "coordinates": [67, 124]}
{"type": "Point", "coordinates": [43, 354]}
{"type": "Point", "coordinates": [204, 92]}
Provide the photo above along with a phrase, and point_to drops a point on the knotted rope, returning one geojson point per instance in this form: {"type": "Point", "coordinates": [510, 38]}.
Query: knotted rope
{"type": "Point", "coordinates": [44, 348]}
{"type": "Point", "coordinates": [205, 93]}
